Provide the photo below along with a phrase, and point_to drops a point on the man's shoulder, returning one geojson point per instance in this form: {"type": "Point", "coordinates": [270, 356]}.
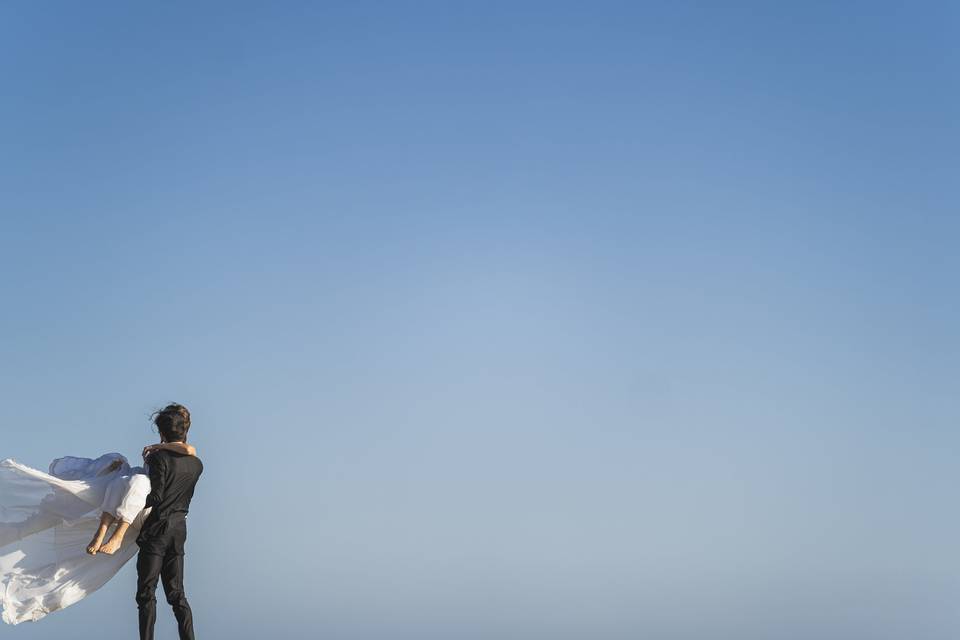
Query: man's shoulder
{"type": "Point", "coordinates": [187, 462]}
{"type": "Point", "coordinates": [168, 458]}
{"type": "Point", "coordinates": [160, 456]}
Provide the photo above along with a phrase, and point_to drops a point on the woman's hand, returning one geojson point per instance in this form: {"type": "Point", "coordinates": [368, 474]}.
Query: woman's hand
{"type": "Point", "coordinates": [150, 448]}
{"type": "Point", "coordinates": [113, 466]}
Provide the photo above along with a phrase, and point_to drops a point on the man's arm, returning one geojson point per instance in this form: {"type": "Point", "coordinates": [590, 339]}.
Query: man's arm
{"type": "Point", "coordinates": [158, 479]}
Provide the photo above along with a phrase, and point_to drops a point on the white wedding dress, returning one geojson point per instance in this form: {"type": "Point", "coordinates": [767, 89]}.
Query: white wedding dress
{"type": "Point", "coordinates": [48, 519]}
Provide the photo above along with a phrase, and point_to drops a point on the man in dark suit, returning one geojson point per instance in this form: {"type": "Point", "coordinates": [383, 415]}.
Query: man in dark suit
{"type": "Point", "coordinates": [173, 477]}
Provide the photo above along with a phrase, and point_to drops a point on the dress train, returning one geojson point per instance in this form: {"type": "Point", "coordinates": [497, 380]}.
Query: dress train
{"type": "Point", "coordinates": [46, 523]}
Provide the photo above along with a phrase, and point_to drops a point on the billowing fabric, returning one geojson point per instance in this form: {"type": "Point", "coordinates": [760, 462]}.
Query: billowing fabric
{"type": "Point", "coordinates": [46, 523]}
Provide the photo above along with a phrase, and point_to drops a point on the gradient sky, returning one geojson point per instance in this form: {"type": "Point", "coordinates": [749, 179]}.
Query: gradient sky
{"type": "Point", "coordinates": [502, 320]}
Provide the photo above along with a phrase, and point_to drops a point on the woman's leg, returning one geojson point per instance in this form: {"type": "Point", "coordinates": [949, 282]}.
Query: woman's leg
{"type": "Point", "coordinates": [105, 521]}
{"type": "Point", "coordinates": [135, 490]}
{"type": "Point", "coordinates": [111, 546]}
{"type": "Point", "coordinates": [125, 499]}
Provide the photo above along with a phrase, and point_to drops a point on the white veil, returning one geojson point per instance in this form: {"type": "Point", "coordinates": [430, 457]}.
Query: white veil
{"type": "Point", "coordinates": [46, 522]}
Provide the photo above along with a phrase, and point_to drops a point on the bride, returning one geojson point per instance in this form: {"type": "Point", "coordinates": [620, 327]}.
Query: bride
{"type": "Point", "coordinates": [52, 528]}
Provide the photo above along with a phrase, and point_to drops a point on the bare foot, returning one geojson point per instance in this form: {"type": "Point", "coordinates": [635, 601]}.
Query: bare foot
{"type": "Point", "coordinates": [110, 546]}
{"type": "Point", "coordinates": [95, 544]}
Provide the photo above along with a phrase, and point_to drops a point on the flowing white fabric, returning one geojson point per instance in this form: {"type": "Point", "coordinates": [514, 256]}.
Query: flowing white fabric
{"type": "Point", "coordinates": [46, 523]}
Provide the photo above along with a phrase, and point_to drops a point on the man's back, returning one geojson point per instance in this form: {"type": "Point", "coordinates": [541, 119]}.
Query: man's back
{"type": "Point", "coordinates": [173, 478]}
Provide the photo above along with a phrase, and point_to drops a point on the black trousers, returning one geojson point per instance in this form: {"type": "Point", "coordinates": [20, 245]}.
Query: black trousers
{"type": "Point", "coordinates": [161, 556]}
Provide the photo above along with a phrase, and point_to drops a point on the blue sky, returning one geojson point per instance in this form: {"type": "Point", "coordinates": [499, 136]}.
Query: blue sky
{"type": "Point", "coordinates": [515, 320]}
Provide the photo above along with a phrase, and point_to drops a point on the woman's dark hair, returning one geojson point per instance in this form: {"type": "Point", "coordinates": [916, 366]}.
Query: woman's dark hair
{"type": "Point", "coordinates": [173, 422]}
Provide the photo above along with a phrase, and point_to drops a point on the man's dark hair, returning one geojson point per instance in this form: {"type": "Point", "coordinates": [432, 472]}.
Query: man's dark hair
{"type": "Point", "coordinates": [173, 422]}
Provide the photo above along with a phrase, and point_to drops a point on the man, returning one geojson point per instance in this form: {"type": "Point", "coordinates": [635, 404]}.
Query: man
{"type": "Point", "coordinates": [173, 477]}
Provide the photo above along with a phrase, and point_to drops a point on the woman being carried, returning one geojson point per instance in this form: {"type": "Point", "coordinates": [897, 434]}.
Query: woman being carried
{"type": "Point", "coordinates": [125, 498]}
{"type": "Point", "coordinates": [53, 526]}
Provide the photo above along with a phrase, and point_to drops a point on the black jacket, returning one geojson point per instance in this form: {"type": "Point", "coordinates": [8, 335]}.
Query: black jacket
{"type": "Point", "coordinates": [173, 477]}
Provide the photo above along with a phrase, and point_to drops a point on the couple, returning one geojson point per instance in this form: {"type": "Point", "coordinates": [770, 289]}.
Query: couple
{"type": "Point", "coordinates": [54, 548]}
